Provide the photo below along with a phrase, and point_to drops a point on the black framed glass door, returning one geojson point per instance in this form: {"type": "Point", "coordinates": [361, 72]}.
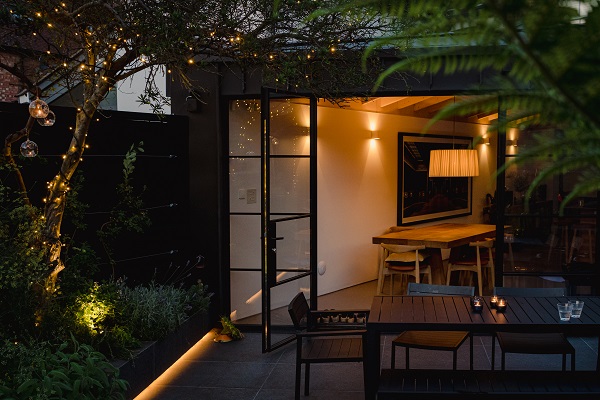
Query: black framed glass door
{"type": "Point", "coordinates": [288, 209]}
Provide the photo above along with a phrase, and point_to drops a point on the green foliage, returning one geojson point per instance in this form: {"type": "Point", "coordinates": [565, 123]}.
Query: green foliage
{"type": "Point", "coordinates": [128, 214]}
{"type": "Point", "coordinates": [68, 371]}
{"type": "Point", "coordinates": [154, 311]}
{"type": "Point", "coordinates": [230, 329]}
{"type": "Point", "coordinates": [21, 250]}
{"type": "Point", "coordinates": [544, 53]}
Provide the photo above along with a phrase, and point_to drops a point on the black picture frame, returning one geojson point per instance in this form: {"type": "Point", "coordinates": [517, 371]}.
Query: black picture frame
{"type": "Point", "coordinates": [421, 198]}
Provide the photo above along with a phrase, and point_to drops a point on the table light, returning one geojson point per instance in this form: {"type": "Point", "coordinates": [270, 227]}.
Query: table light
{"type": "Point", "coordinates": [476, 303]}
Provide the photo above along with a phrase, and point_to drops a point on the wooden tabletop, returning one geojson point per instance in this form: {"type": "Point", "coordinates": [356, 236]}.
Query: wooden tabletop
{"type": "Point", "coordinates": [441, 236]}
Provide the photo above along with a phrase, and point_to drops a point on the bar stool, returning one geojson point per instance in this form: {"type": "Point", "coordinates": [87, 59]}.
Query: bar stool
{"type": "Point", "coordinates": [586, 226]}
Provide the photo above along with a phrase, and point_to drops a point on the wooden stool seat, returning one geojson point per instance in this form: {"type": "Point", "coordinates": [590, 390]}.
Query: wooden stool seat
{"type": "Point", "coordinates": [536, 343]}
{"type": "Point", "coordinates": [434, 340]}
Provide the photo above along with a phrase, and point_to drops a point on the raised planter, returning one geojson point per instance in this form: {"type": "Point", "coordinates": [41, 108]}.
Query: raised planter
{"type": "Point", "coordinates": [154, 358]}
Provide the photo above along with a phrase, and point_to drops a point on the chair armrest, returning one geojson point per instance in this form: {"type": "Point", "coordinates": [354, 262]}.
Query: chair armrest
{"type": "Point", "coordinates": [350, 332]}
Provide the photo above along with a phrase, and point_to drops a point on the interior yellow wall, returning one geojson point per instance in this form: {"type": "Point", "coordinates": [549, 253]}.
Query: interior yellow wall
{"type": "Point", "coordinates": [357, 186]}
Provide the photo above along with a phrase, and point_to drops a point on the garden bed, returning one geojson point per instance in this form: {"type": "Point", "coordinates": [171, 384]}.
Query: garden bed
{"type": "Point", "coordinates": [154, 358]}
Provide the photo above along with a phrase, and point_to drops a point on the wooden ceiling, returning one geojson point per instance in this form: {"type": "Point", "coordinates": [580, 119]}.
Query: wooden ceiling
{"type": "Point", "coordinates": [414, 106]}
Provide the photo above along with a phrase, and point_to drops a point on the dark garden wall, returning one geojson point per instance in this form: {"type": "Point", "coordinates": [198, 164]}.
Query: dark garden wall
{"type": "Point", "coordinates": [161, 177]}
{"type": "Point", "coordinates": [207, 196]}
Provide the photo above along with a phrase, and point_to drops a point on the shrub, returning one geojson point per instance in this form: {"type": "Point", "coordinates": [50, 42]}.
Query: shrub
{"type": "Point", "coordinates": [154, 311]}
{"type": "Point", "coordinates": [69, 371]}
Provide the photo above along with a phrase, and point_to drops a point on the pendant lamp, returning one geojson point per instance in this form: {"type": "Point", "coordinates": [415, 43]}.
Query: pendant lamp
{"type": "Point", "coordinates": [453, 163]}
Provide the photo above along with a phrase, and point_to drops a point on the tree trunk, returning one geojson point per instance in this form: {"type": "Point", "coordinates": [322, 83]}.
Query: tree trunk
{"type": "Point", "coordinates": [59, 186]}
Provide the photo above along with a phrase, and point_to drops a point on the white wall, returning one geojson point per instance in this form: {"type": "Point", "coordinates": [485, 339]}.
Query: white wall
{"type": "Point", "coordinates": [357, 183]}
{"type": "Point", "coordinates": [129, 90]}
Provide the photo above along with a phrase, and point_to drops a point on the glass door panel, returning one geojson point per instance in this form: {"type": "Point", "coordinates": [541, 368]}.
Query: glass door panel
{"type": "Point", "coordinates": [288, 205]}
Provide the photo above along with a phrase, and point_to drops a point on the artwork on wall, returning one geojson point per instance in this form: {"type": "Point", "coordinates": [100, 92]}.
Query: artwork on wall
{"type": "Point", "coordinates": [421, 198]}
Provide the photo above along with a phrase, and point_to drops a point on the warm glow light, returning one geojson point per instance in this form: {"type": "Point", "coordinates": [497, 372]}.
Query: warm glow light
{"type": "Point", "coordinates": [38, 109]}
{"type": "Point", "coordinates": [178, 368]}
{"type": "Point", "coordinates": [453, 163]}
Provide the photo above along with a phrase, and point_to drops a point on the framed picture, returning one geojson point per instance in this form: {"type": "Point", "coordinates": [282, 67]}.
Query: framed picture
{"type": "Point", "coordinates": [421, 198]}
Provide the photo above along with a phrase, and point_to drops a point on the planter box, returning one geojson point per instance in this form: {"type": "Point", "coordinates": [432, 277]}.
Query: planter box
{"type": "Point", "coordinates": [153, 358]}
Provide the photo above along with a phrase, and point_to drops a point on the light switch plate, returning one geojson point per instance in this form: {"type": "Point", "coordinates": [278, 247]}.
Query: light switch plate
{"type": "Point", "coordinates": [250, 196]}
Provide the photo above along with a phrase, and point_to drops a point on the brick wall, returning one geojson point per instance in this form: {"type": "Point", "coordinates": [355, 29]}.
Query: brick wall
{"type": "Point", "coordinates": [9, 84]}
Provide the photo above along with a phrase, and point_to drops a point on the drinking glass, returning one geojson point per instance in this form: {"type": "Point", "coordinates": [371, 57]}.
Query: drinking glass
{"type": "Point", "coordinates": [564, 311]}
{"type": "Point", "coordinates": [577, 308]}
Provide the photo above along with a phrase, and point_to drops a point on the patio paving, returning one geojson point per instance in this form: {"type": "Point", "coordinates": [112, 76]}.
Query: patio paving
{"type": "Point", "coordinates": [239, 370]}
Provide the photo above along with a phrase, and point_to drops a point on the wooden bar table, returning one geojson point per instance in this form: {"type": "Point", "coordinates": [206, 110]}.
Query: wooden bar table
{"type": "Point", "coordinates": [392, 314]}
{"type": "Point", "coordinates": [437, 237]}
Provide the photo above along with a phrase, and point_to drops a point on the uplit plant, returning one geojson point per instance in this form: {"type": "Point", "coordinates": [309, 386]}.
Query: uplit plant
{"type": "Point", "coordinates": [92, 310]}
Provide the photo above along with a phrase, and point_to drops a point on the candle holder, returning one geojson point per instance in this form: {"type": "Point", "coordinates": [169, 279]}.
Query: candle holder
{"type": "Point", "coordinates": [494, 301]}
{"type": "Point", "coordinates": [476, 303]}
{"type": "Point", "coordinates": [501, 306]}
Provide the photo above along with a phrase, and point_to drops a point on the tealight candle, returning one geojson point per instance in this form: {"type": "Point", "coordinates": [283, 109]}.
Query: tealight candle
{"type": "Point", "coordinates": [501, 306]}
{"type": "Point", "coordinates": [494, 301]}
{"type": "Point", "coordinates": [476, 304]}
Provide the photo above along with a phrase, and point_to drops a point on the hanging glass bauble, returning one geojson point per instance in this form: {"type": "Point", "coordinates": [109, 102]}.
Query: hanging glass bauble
{"type": "Point", "coordinates": [29, 148]}
{"type": "Point", "coordinates": [38, 109]}
{"type": "Point", "coordinates": [49, 120]}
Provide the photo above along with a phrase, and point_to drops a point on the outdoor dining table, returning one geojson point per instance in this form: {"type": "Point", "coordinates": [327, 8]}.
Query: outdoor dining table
{"type": "Point", "coordinates": [391, 314]}
{"type": "Point", "coordinates": [437, 237]}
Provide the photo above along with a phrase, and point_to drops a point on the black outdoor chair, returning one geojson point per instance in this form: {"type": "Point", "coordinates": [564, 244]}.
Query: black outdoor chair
{"type": "Point", "coordinates": [433, 340]}
{"type": "Point", "coordinates": [532, 343]}
{"type": "Point", "coordinates": [340, 339]}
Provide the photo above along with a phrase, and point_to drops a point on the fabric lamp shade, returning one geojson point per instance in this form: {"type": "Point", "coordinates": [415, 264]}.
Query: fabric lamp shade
{"type": "Point", "coordinates": [453, 163]}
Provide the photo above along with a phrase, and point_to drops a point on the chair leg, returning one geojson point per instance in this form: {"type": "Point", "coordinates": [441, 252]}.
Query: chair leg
{"type": "Point", "coordinates": [306, 378]}
{"type": "Point", "coordinates": [298, 377]}
{"type": "Point", "coordinates": [573, 361]}
{"type": "Point", "coordinates": [471, 351]}
{"type": "Point", "coordinates": [479, 280]}
{"type": "Point", "coordinates": [493, 351]}
{"type": "Point", "coordinates": [564, 361]}
{"type": "Point", "coordinates": [298, 367]}
{"type": "Point", "coordinates": [454, 357]}
{"type": "Point", "coordinates": [393, 356]}
{"type": "Point", "coordinates": [502, 362]}
{"type": "Point", "coordinates": [407, 357]}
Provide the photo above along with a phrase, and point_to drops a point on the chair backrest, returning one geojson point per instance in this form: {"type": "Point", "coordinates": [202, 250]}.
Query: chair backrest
{"type": "Point", "coordinates": [400, 248]}
{"type": "Point", "coordinates": [530, 292]}
{"type": "Point", "coordinates": [424, 289]}
{"type": "Point", "coordinates": [298, 310]}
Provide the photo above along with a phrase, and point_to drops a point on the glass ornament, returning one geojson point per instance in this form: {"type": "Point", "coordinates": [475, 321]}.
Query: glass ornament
{"type": "Point", "coordinates": [29, 148]}
{"type": "Point", "coordinates": [48, 120]}
{"type": "Point", "coordinates": [38, 109]}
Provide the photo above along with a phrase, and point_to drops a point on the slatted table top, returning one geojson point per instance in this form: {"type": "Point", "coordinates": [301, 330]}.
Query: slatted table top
{"type": "Point", "coordinates": [535, 314]}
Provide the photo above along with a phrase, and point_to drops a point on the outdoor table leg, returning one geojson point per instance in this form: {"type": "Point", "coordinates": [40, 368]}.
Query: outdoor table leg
{"type": "Point", "coordinates": [598, 359]}
{"type": "Point", "coordinates": [372, 360]}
